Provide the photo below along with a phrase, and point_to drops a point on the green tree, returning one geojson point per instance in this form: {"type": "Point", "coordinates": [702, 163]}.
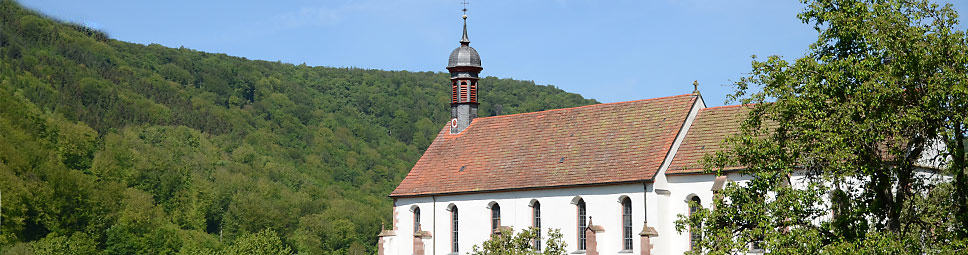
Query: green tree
{"type": "Point", "coordinates": [880, 90]}
{"type": "Point", "coordinates": [521, 243]}
{"type": "Point", "coordinates": [78, 243]}
{"type": "Point", "coordinates": [265, 242]}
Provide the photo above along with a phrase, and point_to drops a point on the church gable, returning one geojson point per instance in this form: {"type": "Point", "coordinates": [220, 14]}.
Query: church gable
{"type": "Point", "coordinates": [706, 135]}
{"type": "Point", "coordinates": [595, 144]}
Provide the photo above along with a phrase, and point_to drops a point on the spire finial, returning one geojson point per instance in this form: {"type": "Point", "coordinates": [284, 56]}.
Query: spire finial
{"type": "Point", "coordinates": [695, 87]}
{"type": "Point", "coordinates": [464, 40]}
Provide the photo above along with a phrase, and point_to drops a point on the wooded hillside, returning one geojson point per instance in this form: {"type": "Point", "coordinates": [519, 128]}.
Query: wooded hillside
{"type": "Point", "coordinates": [121, 148]}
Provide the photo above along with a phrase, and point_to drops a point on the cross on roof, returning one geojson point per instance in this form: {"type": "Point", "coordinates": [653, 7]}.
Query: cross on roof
{"type": "Point", "coordinates": [464, 3]}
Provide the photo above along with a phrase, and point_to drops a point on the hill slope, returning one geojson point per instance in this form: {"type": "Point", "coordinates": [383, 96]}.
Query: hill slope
{"type": "Point", "coordinates": [123, 148]}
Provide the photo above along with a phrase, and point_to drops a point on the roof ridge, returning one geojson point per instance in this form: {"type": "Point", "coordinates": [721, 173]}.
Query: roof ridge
{"type": "Point", "coordinates": [583, 106]}
{"type": "Point", "coordinates": [726, 106]}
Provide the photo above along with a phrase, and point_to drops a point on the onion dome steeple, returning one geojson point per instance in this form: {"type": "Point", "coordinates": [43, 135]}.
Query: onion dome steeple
{"type": "Point", "coordinates": [463, 39]}
{"type": "Point", "coordinates": [465, 55]}
{"type": "Point", "coordinates": [464, 65]}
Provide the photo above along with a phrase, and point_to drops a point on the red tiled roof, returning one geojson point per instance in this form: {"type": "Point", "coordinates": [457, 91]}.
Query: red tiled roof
{"type": "Point", "coordinates": [594, 144]}
{"type": "Point", "coordinates": [706, 135]}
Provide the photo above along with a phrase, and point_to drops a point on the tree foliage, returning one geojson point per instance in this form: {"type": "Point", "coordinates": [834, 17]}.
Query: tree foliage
{"type": "Point", "coordinates": [144, 149]}
{"type": "Point", "coordinates": [522, 243]}
{"type": "Point", "coordinates": [881, 94]}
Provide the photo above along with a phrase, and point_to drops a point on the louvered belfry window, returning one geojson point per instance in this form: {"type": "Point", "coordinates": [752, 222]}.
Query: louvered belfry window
{"type": "Point", "coordinates": [463, 91]}
{"type": "Point", "coordinates": [453, 93]}
{"type": "Point", "coordinates": [473, 98]}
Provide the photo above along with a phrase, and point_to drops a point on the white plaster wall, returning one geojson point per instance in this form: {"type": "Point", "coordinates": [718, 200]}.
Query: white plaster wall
{"type": "Point", "coordinates": [403, 241]}
{"type": "Point", "coordinates": [934, 156]}
{"type": "Point", "coordinates": [675, 201]}
{"type": "Point", "coordinates": [664, 207]}
{"type": "Point", "coordinates": [390, 245]}
{"type": "Point", "coordinates": [557, 211]}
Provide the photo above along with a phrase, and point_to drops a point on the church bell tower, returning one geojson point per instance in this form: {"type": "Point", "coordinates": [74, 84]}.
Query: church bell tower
{"type": "Point", "coordinates": [464, 65]}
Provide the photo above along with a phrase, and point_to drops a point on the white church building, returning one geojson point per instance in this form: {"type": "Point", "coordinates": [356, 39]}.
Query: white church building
{"type": "Point", "coordinates": [612, 177]}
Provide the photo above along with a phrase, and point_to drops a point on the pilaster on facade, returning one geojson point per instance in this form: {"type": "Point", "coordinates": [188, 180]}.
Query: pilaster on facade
{"type": "Point", "coordinates": [503, 230]}
{"type": "Point", "coordinates": [646, 238]}
{"type": "Point", "coordinates": [384, 239]}
{"type": "Point", "coordinates": [591, 237]}
{"type": "Point", "coordinates": [396, 217]}
{"type": "Point", "coordinates": [418, 242]}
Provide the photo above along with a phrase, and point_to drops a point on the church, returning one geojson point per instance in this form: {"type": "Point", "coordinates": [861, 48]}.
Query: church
{"type": "Point", "coordinates": [611, 177]}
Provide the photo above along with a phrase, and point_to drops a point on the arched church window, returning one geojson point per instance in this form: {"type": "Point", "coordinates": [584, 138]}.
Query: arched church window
{"type": "Point", "coordinates": [582, 224]}
{"type": "Point", "coordinates": [495, 217]}
{"type": "Point", "coordinates": [694, 236]}
{"type": "Point", "coordinates": [536, 212]}
{"type": "Point", "coordinates": [453, 227]}
{"type": "Point", "coordinates": [627, 223]}
{"type": "Point", "coordinates": [416, 219]}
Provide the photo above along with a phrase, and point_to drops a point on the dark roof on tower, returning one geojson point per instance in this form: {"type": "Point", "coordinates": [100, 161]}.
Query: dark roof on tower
{"type": "Point", "coordinates": [596, 144]}
{"type": "Point", "coordinates": [465, 55]}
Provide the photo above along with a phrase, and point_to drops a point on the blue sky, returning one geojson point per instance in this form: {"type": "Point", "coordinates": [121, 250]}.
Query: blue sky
{"type": "Point", "coordinates": [609, 50]}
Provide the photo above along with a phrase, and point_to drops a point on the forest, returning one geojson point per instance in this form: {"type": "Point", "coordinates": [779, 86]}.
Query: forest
{"type": "Point", "coordinates": [110, 147]}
